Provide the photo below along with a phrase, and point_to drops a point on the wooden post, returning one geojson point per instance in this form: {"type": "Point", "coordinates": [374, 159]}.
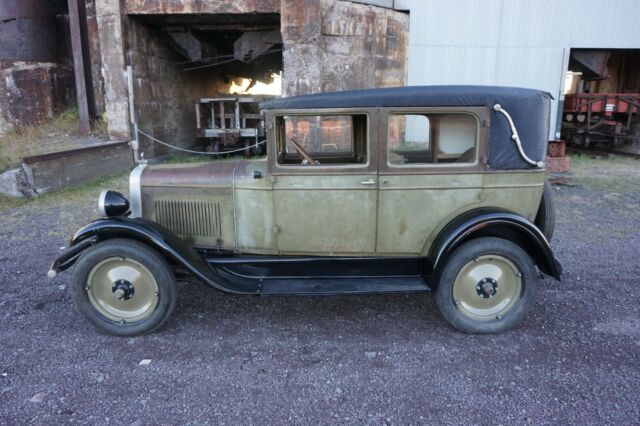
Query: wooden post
{"type": "Point", "coordinates": [78, 66]}
{"type": "Point", "coordinates": [223, 125]}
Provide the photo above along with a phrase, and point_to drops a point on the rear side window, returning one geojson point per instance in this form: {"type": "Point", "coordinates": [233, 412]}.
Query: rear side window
{"type": "Point", "coordinates": [437, 138]}
{"type": "Point", "coordinates": [316, 140]}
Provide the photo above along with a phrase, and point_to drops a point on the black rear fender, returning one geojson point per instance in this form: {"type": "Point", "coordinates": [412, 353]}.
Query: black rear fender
{"type": "Point", "coordinates": [501, 224]}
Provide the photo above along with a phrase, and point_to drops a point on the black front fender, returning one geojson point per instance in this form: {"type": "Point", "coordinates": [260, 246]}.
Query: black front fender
{"type": "Point", "coordinates": [495, 223]}
{"type": "Point", "coordinates": [150, 233]}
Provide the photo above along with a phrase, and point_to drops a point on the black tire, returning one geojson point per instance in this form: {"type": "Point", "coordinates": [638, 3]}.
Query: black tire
{"type": "Point", "coordinates": [132, 251]}
{"type": "Point", "coordinates": [546, 216]}
{"type": "Point", "coordinates": [465, 255]}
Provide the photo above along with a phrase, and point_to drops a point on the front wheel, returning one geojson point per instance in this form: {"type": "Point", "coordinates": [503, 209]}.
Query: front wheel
{"type": "Point", "coordinates": [123, 287]}
{"type": "Point", "coordinates": [487, 286]}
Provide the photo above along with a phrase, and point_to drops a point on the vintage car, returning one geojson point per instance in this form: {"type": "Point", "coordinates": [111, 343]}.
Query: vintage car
{"type": "Point", "coordinates": [409, 189]}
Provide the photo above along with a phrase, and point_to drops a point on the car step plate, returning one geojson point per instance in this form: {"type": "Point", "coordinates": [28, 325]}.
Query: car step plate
{"type": "Point", "coordinates": [328, 286]}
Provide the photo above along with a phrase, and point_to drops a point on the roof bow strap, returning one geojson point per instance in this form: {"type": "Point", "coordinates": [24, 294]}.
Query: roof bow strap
{"type": "Point", "coordinates": [516, 138]}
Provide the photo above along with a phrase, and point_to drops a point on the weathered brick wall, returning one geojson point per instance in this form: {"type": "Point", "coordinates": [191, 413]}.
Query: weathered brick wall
{"type": "Point", "coordinates": [335, 45]}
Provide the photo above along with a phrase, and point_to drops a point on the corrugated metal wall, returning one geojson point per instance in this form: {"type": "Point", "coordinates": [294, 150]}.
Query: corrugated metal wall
{"type": "Point", "coordinates": [512, 42]}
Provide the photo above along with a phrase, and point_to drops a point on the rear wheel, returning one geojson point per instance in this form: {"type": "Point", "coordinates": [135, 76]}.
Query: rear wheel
{"type": "Point", "coordinates": [123, 287]}
{"type": "Point", "coordinates": [487, 286]}
{"type": "Point", "coordinates": [546, 216]}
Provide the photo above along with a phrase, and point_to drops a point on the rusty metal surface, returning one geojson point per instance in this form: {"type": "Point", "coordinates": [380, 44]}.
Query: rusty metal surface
{"type": "Point", "coordinates": [73, 152]}
{"type": "Point", "coordinates": [32, 92]}
{"type": "Point", "coordinates": [201, 6]}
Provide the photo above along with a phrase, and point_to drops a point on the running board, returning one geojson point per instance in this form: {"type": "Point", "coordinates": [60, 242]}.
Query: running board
{"type": "Point", "coordinates": [285, 267]}
{"type": "Point", "coordinates": [331, 286]}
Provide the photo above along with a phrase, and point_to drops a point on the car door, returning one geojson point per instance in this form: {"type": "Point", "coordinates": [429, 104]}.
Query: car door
{"type": "Point", "coordinates": [430, 169]}
{"type": "Point", "coordinates": [324, 170]}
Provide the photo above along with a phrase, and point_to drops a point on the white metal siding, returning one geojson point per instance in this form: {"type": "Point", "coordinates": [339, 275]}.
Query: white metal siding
{"type": "Point", "coordinates": [512, 42]}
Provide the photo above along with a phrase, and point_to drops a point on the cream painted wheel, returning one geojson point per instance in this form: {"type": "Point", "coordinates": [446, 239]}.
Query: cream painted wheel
{"type": "Point", "coordinates": [123, 287]}
{"type": "Point", "coordinates": [122, 290]}
{"type": "Point", "coordinates": [487, 287]}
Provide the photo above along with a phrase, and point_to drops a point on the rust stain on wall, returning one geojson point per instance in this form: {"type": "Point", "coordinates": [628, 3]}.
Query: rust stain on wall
{"type": "Point", "coordinates": [36, 79]}
{"type": "Point", "coordinates": [31, 92]}
{"type": "Point", "coordinates": [201, 6]}
{"type": "Point", "coordinates": [333, 45]}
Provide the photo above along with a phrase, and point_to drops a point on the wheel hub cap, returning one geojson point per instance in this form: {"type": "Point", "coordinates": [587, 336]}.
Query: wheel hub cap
{"type": "Point", "coordinates": [487, 287]}
{"type": "Point", "coordinates": [122, 290]}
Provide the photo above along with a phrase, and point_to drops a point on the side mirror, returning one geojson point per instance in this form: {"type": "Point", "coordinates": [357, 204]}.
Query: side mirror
{"type": "Point", "coordinates": [257, 174]}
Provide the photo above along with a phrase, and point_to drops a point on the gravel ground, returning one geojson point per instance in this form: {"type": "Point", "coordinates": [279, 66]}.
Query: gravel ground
{"type": "Point", "coordinates": [333, 360]}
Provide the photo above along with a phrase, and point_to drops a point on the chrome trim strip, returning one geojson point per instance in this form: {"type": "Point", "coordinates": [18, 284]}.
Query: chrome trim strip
{"type": "Point", "coordinates": [101, 208]}
{"type": "Point", "coordinates": [135, 190]}
{"type": "Point", "coordinates": [516, 138]}
{"type": "Point", "coordinates": [233, 200]}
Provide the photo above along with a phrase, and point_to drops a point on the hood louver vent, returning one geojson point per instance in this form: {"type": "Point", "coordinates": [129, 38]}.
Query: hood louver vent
{"type": "Point", "coordinates": [190, 218]}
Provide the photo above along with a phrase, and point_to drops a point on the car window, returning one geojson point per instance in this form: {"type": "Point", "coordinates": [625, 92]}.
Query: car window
{"type": "Point", "coordinates": [316, 140]}
{"type": "Point", "coordinates": [435, 138]}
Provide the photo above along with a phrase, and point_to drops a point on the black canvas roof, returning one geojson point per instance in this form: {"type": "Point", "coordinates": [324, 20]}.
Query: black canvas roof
{"type": "Point", "coordinates": [410, 96]}
{"type": "Point", "coordinates": [529, 109]}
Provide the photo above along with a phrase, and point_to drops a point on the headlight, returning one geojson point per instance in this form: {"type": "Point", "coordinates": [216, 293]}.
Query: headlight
{"type": "Point", "coordinates": [112, 203]}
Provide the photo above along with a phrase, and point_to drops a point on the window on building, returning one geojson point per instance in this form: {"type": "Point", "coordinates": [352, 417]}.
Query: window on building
{"type": "Point", "coordinates": [317, 140]}
{"type": "Point", "coordinates": [431, 138]}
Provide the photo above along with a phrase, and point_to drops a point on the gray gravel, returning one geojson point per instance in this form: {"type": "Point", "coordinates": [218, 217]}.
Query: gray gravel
{"type": "Point", "coordinates": [332, 360]}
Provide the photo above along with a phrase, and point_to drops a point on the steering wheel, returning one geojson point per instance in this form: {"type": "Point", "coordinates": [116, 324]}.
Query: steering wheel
{"type": "Point", "coordinates": [305, 155]}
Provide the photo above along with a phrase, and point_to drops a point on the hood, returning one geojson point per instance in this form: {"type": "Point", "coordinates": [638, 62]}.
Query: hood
{"type": "Point", "coordinates": [195, 201]}
{"type": "Point", "coordinates": [215, 174]}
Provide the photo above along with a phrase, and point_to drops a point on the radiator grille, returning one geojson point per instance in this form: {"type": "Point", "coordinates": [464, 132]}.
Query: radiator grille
{"type": "Point", "coordinates": [189, 217]}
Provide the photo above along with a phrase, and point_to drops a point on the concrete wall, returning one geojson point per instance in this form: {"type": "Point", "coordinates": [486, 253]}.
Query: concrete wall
{"type": "Point", "coordinates": [112, 67]}
{"type": "Point", "coordinates": [36, 80]}
{"type": "Point", "coordinates": [93, 36]}
{"type": "Point", "coordinates": [31, 92]}
{"type": "Point", "coordinates": [512, 42]}
{"type": "Point", "coordinates": [335, 45]}
{"type": "Point", "coordinates": [328, 45]}
{"type": "Point", "coordinates": [199, 6]}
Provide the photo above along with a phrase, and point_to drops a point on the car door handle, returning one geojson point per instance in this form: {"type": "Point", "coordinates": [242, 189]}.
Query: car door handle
{"type": "Point", "coordinates": [368, 182]}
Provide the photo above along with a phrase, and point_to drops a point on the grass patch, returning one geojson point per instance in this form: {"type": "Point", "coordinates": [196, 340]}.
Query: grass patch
{"type": "Point", "coordinates": [610, 173]}
{"type": "Point", "coordinates": [58, 134]}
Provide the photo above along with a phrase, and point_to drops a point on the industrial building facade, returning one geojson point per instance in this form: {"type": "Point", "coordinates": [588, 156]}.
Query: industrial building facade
{"type": "Point", "coordinates": [181, 50]}
{"type": "Point", "coordinates": [517, 42]}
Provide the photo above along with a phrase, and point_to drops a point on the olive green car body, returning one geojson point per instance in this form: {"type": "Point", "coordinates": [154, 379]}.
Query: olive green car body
{"type": "Point", "coordinates": [380, 216]}
{"type": "Point", "coordinates": [370, 209]}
